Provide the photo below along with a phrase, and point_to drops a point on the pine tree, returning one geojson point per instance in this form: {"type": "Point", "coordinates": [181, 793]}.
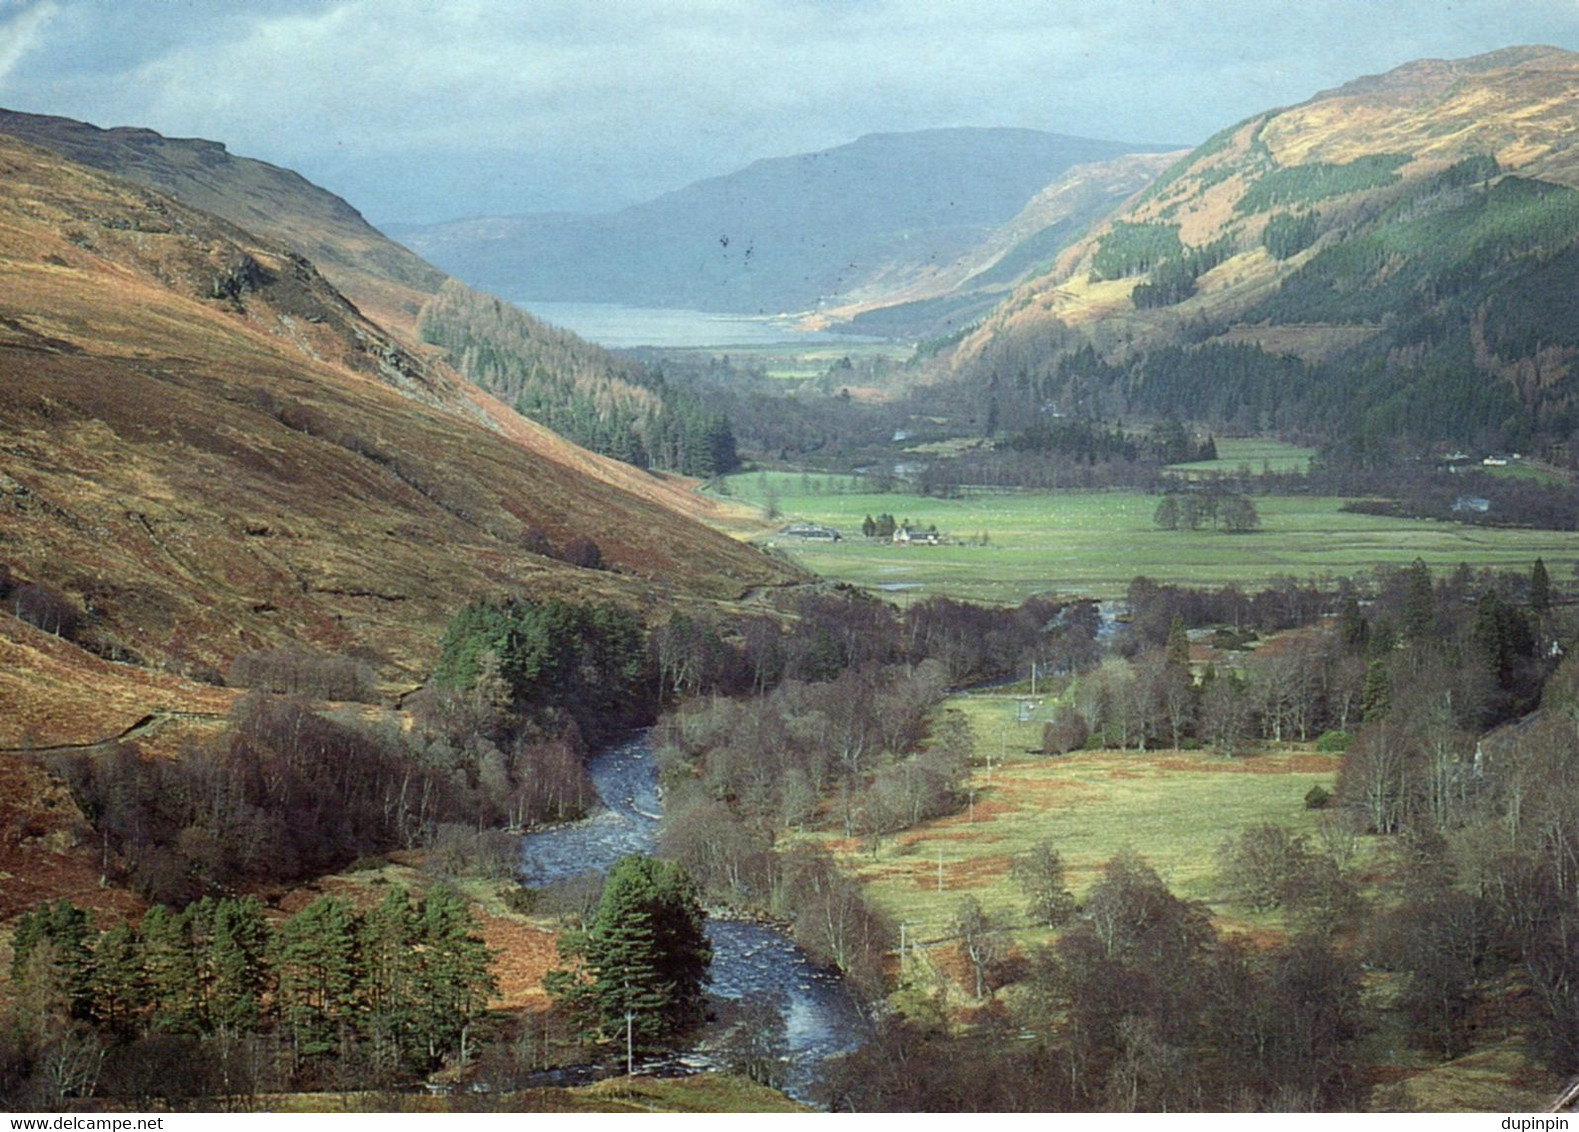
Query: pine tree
{"type": "Point", "coordinates": [59, 933]}
{"type": "Point", "coordinates": [1501, 635]}
{"type": "Point", "coordinates": [1376, 698]}
{"type": "Point", "coordinates": [1178, 654]}
{"type": "Point", "coordinates": [232, 964]}
{"type": "Point", "coordinates": [116, 989]}
{"type": "Point", "coordinates": [452, 981]}
{"type": "Point", "coordinates": [314, 959]}
{"type": "Point", "coordinates": [1419, 612]}
{"type": "Point", "coordinates": [641, 965]}
{"type": "Point", "coordinates": [50, 965]}
{"type": "Point", "coordinates": [1540, 590]}
{"type": "Point", "coordinates": [386, 938]}
{"type": "Point", "coordinates": [170, 971]}
{"type": "Point", "coordinates": [1352, 628]}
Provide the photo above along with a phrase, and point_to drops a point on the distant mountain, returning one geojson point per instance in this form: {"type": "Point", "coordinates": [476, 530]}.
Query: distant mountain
{"type": "Point", "coordinates": [209, 450]}
{"type": "Point", "coordinates": [935, 299]}
{"type": "Point", "coordinates": [1398, 257]}
{"type": "Point", "coordinates": [783, 234]}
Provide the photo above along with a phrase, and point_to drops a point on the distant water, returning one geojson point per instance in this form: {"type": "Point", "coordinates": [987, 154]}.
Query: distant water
{"type": "Point", "coordinates": [619, 328]}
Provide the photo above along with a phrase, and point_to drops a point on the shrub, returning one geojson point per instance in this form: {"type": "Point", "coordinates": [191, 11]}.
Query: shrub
{"type": "Point", "coordinates": [583, 552]}
{"type": "Point", "coordinates": [1317, 797]}
{"type": "Point", "coordinates": [44, 607]}
{"type": "Point", "coordinates": [296, 672]}
{"type": "Point", "coordinates": [1333, 742]}
{"type": "Point", "coordinates": [1066, 732]}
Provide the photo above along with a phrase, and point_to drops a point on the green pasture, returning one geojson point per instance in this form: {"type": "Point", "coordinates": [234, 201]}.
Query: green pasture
{"type": "Point", "coordinates": [1524, 470]}
{"type": "Point", "coordinates": [1096, 542]}
{"type": "Point", "coordinates": [1256, 453]}
{"type": "Point", "coordinates": [1174, 808]}
{"type": "Point", "coordinates": [794, 361]}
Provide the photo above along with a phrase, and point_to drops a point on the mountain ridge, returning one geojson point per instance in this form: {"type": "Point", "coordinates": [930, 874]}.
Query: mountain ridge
{"type": "Point", "coordinates": [387, 280]}
{"type": "Point", "coordinates": [781, 234]}
{"type": "Point", "coordinates": [1374, 229]}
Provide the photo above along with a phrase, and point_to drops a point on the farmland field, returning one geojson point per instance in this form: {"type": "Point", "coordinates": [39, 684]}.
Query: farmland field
{"type": "Point", "coordinates": [1259, 455]}
{"type": "Point", "coordinates": [1003, 547]}
{"type": "Point", "coordinates": [1173, 808]}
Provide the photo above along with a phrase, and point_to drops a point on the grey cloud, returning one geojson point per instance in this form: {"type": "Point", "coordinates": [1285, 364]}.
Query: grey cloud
{"type": "Point", "coordinates": [417, 109]}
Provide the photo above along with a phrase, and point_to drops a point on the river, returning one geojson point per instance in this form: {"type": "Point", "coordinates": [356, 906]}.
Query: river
{"type": "Point", "coordinates": [821, 1017]}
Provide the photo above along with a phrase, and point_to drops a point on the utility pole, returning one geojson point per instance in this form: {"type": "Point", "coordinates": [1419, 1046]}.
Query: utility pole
{"type": "Point", "coordinates": [630, 1045]}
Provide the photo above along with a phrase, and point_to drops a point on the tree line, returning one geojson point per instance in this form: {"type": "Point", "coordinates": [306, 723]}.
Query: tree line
{"type": "Point", "coordinates": [585, 393]}
{"type": "Point", "coordinates": [1212, 507]}
{"type": "Point", "coordinates": [1482, 637]}
{"type": "Point", "coordinates": [222, 997]}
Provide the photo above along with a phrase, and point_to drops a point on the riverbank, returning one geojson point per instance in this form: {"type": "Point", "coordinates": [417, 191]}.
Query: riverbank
{"type": "Point", "coordinates": [754, 957]}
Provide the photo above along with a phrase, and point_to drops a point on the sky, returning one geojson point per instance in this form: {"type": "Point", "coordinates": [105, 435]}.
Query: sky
{"type": "Point", "coordinates": [424, 110]}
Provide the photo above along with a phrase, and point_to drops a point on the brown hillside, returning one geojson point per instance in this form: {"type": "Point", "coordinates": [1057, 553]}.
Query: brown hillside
{"type": "Point", "coordinates": [209, 450]}
{"type": "Point", "coordinates": [388, 282]}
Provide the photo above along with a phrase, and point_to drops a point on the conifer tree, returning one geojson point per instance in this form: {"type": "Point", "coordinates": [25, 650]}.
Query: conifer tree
{"type": "Point", "coordinates": [232, 964]}
{"type": "Point", "coordinates": [1376, 698]}
{"type": "Point", "coordinates": [314, 958]}
{"type": "Point", "coordinates": [452, 982]}
{"type": "Point", "coordinates": [1178, 654]}
{"type": "Point", "coordinates": [386, 938]}
{"type": "Point", "coordinates": [1353, 630]}
{"type": "Point", "coordinates": [1540, 589]}
{"type": "Point", "coordinates": [50, 945]}
{"type": "Point", "coordinates": [1419, 611]}
{"type": "Point", "coordinates": [170, 970]}
{"type": "Point", "coordinates": [116, 990]}
{"type": "Point", "coordinates": [640, 967]}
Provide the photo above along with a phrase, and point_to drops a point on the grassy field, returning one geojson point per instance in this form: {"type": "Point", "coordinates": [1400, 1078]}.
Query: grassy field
{"type": "Point", "coordinates": [708, 1092]}
{"type": "Point", "coordinates": [1256, 453]}
{"type": "Point", "coordinates": [800, 361]}
{"type": "Point", "coordinates": [1094, 543]}
{"type": "Point", "coordinates": [1527, 470]}
{"type": "Point", "coordinates": [1172, 807]}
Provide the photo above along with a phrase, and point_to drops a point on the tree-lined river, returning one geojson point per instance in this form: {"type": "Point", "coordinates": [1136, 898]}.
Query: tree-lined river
{"type": "Point", "coordinates": [821, 1016]}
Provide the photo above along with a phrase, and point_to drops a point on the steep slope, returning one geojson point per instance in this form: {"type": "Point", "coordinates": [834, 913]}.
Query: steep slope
{"type": "Point", "coordinates": [782, 234]}
{"type": "Point", "coordinates": [1396, 256]}
{"type": "Point", "coordinates": [388, 282]}
{"type": "Point", "coordinates": [205, 449]}
{"type": "Point", "coordinates": [590, 395]}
